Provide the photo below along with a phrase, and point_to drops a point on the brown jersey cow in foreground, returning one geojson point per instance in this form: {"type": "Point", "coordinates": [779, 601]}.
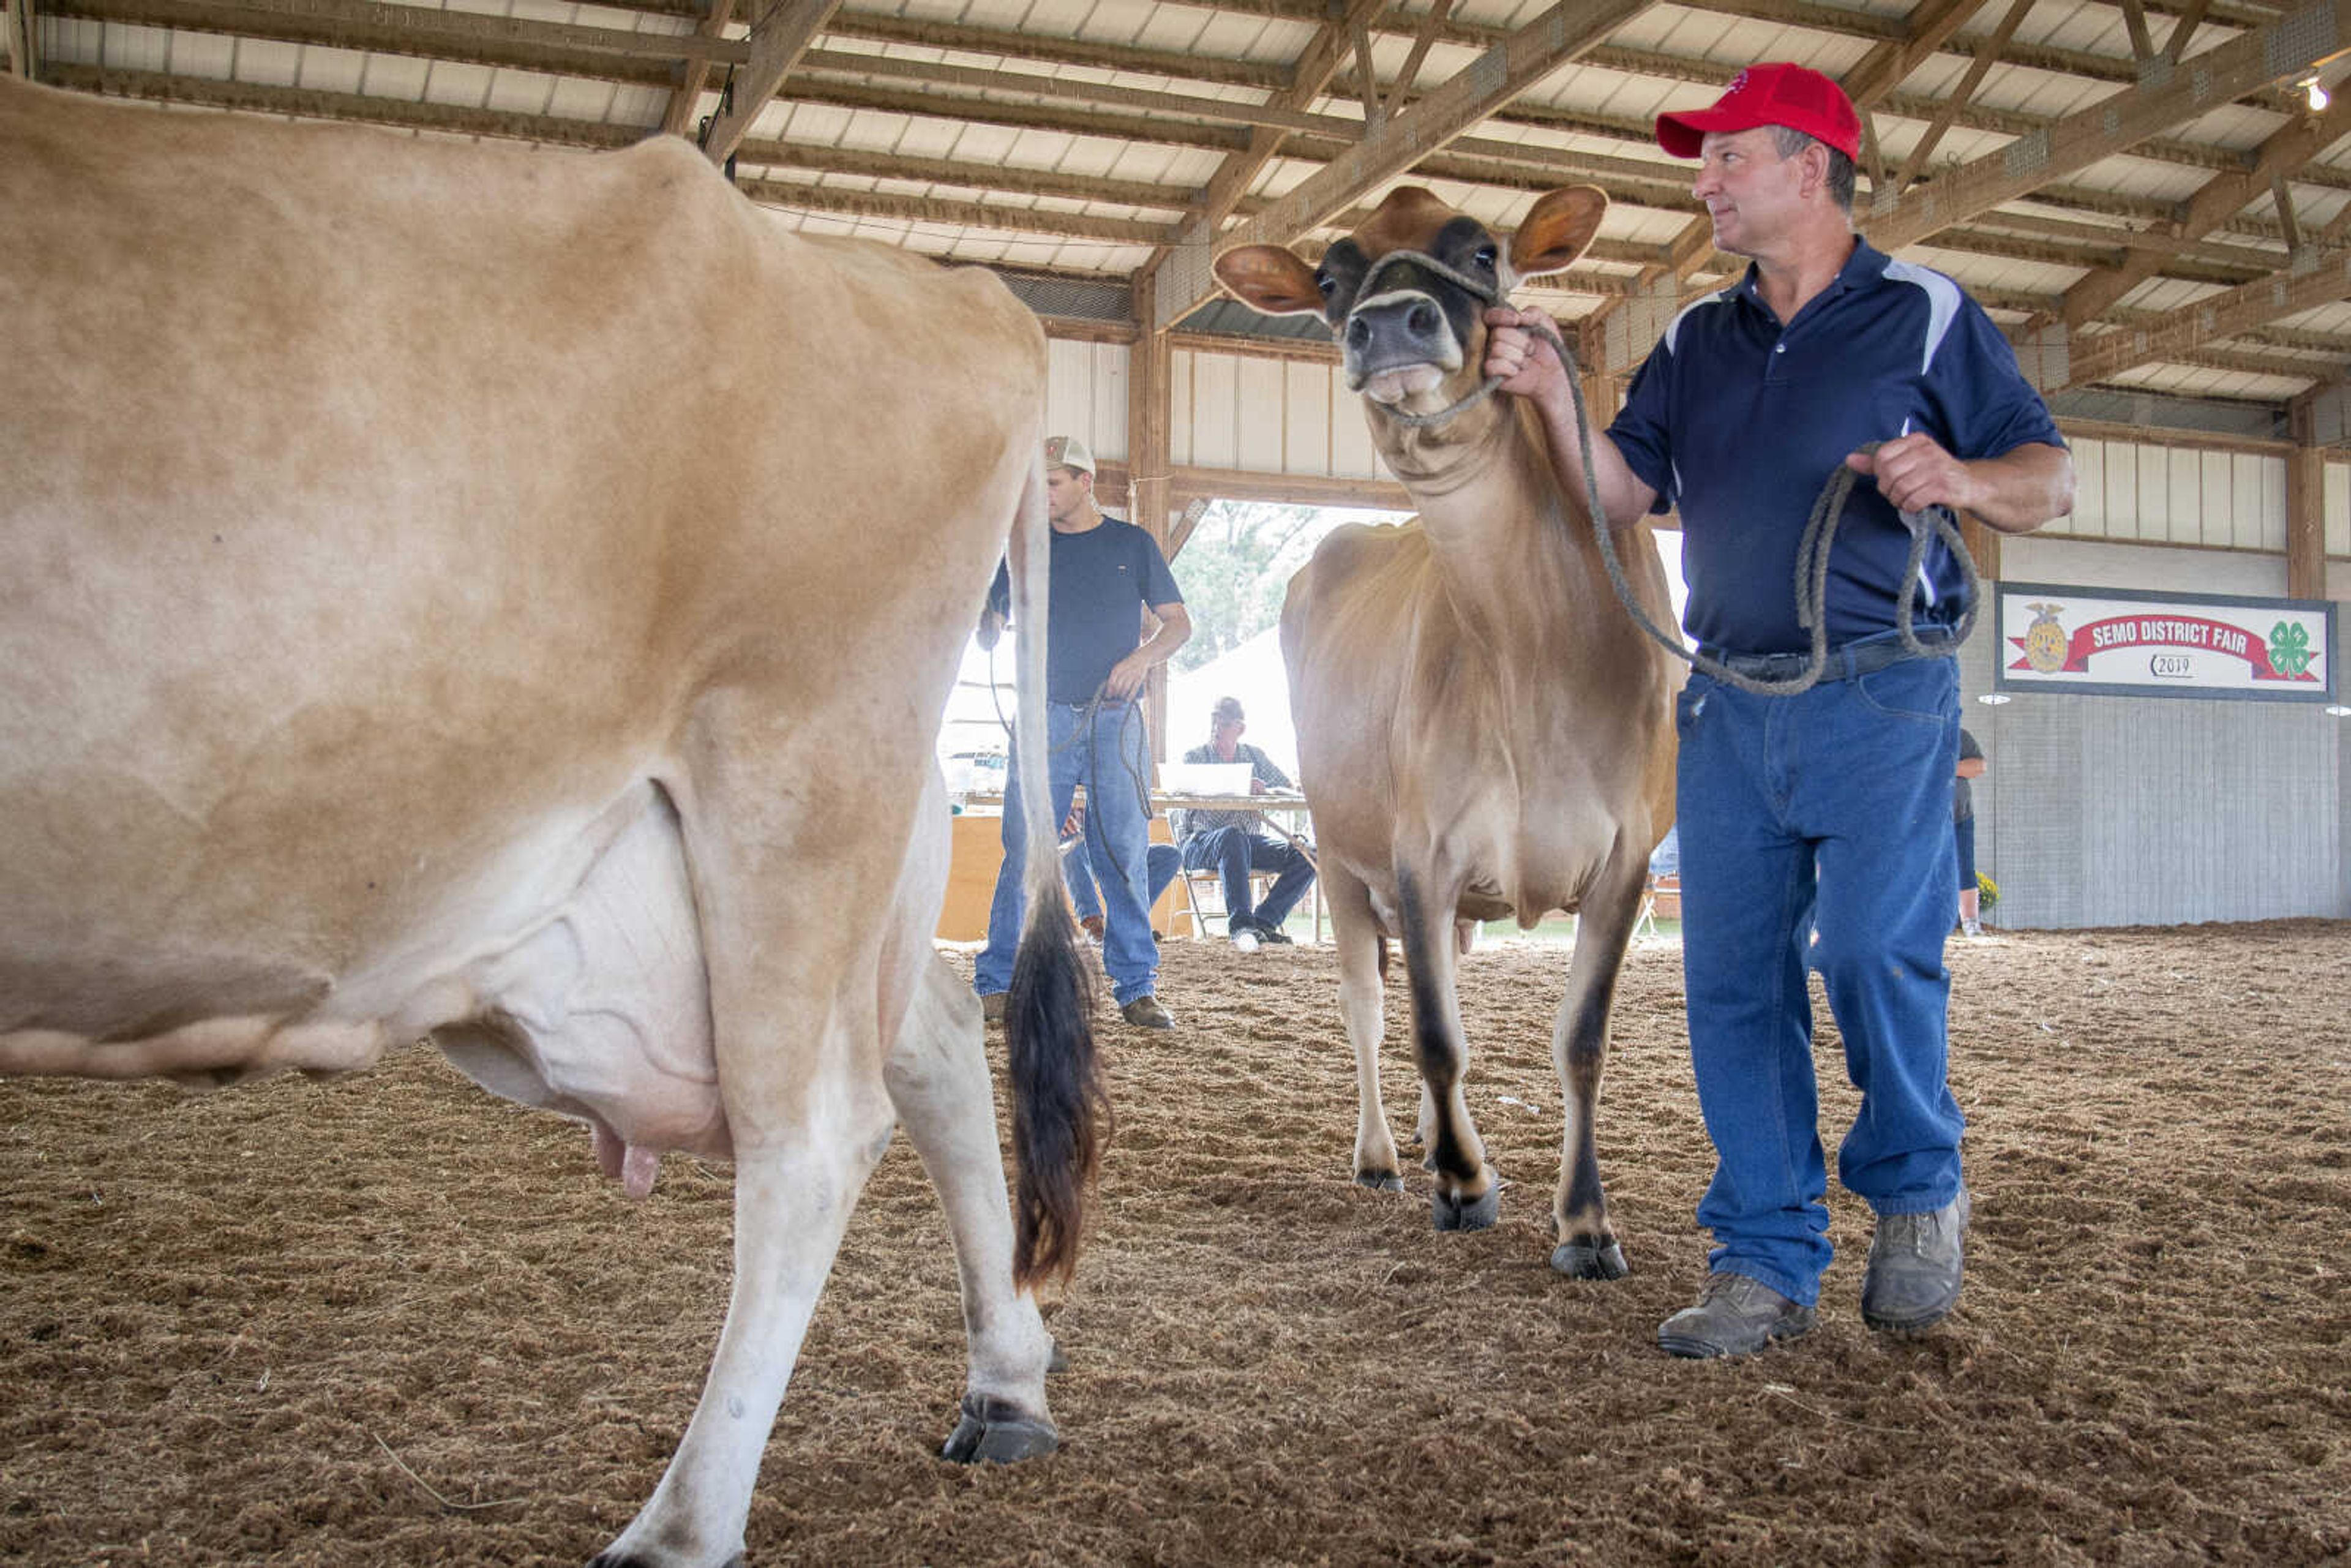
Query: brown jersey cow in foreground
{"type": "Point", "coordinates": [455, 592]}
{"type": "Point", "coordinates": [1482, 730]}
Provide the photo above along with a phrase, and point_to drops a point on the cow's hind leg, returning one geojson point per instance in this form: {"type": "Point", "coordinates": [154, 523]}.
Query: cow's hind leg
{"type": "Point", "coordinates": [794, 1191]}
{"type": "Point", "coordinates": [1466, 1197]}
{"type": "Point", "coordinates": [1355, 931]}
{"type": "Point", "coordinates": [1587, 1246]}
{"type": "Point", "coordinates": [937, 1075]}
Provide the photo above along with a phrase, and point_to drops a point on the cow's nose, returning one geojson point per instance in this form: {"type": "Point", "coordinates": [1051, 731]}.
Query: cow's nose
{"type": "Point", "coordinates": [1404, 330]}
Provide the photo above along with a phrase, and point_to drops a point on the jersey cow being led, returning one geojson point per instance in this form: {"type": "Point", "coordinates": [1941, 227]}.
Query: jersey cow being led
{"type": "Point", "coordinates": [1482, 731]}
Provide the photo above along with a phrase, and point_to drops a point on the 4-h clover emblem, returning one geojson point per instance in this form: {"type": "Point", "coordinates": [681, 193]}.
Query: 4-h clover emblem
{"type": "Point", "coordinates": [2289, 648]}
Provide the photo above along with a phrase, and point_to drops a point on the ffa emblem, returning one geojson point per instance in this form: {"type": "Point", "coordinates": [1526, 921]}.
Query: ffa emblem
{"type": "Point", "coordinates": [2044, 640]}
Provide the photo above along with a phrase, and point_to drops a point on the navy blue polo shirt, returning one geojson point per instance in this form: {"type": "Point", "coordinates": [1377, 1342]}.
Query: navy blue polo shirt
{"type": "Point", "coordinates": [1737, 421]}
{"type": "Point", "coordinates": [1102, 581]}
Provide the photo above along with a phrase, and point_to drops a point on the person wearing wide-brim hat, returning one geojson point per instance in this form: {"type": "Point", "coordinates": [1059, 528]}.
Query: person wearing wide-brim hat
{"type": "Point", "coordinates": [1828, 809]}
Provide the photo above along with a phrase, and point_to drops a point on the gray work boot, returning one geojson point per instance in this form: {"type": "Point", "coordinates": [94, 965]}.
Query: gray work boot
{"type": "Point", "coordinates": [1915, 1267]}
{"type": "Point", "coordinates": [1145, 1012]}
{"type": "Point", "coordinates": [1734, 1316]}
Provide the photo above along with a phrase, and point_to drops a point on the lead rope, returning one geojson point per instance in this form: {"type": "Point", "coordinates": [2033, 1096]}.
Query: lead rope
{"type": "Point", "coordinates": [1812, 573]}
{"type": "Point", "coordinates": [1084, 732]}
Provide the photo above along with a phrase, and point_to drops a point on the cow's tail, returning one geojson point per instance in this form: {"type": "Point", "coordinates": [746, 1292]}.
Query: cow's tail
{"type": "Point", "coordinates": [1060, 1112]}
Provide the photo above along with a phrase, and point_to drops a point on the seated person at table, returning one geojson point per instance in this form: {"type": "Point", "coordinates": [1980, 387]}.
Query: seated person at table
{"type": "Point", "coordinates": [1078, 871]}
{"type": "Point", "coordinates": [1232, 842]}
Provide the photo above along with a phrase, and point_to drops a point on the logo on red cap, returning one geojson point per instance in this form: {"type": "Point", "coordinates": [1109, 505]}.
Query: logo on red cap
{"type": "Point", "coordinates": [1778, 93]}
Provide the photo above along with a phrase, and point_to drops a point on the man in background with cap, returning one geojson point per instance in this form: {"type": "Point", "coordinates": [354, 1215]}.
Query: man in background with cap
{"type": "Point", "coordinates": [1229, 842]}
{"type": "Point", "coordinates": [1104, 573]}
{"type": "Point", "coordinates": [1830, 808]}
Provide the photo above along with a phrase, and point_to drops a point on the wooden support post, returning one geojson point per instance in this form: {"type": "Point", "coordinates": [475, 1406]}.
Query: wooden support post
{"type": "Point", "coordinates": [1149, 393]}
{"type": "Point", "coordinates": [2305, 510]}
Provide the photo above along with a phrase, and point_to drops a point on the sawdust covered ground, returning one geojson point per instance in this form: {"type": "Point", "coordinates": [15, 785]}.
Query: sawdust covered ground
{"type": "Point", "coordinates": [392, 1321]}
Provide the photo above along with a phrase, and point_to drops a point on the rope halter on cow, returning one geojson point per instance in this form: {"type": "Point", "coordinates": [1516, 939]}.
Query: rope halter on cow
{"type": "Point", "coordinates": [1811, 552]}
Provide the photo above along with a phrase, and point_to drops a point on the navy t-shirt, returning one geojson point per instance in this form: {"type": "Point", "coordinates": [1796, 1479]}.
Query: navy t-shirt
{"type": "Point", "coordinates": [1738, 423]}
{"type": "Point", "coordinates": [1102, 580]}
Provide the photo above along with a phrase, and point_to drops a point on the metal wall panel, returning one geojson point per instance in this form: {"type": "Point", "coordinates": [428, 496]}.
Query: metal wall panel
{"type": "Point", "coordinates": [2089, 515]}
{"type": "Point", "coordinates": [1305, 418]}
{"type": "Point", "coordinates": [1257, 412]}
{"type": "Point", "coordinates": [1085, 395]}
{"type": "Point", "coordinates": [2099, 810]}
{"type": "Point", "coordinates": [2338, 509]}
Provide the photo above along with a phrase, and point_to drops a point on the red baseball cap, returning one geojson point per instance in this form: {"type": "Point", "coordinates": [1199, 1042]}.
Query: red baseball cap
{"type": "Point", "coordinates": [1778, 93]}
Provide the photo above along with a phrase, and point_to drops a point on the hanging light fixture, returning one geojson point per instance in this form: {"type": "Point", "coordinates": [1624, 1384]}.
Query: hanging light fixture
{"type": "Point", "coordinates": [2315, 93]}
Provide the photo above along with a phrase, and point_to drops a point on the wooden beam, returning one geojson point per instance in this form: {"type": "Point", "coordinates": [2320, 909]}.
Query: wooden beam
{"type": "Point", "coordinates": [2288, 47]}
{"type": "Point", "coordinates": [1038, 48]}
{"type": "Point", "coordinates": [2305, 510]}
{"type": "Point", "coordinates": [1933, 25]}
{"type": "Point", "coordinates": [1367, 75]}
{"type": "Point", "coordinates": [1149, 407]}
{"type": "Point", "coordinates": [2142, 43]}
{"type": "Point", "coordinates": [2287, 221]}
{"type": "Point", "coordinates": [779, 38]}
{"type": "Point", "coordinates": [2289, 147]}
{"type": "Point", "coordinates": [994, 178]}
{"type": "Point", "coordinates": [23, 61]}
{"type": "Point", "coordinates": [995, 216]}
{"type": "Point", "coordinates": [2317, 278]}
{"type": "Point", "coordinates": [1421, 43]}
{"type": "Point", "coordinates": [688, 96]}
{"type": "Point", "coordinates": [1987, 50]}
{"type": "Point", "coordinates": [1317, 64]}
{"type": "Point", "coordinates": [1559, 34]}
{"type": "Point", "coordinates": [1030, 84]}
{"type": "Point", "coordinates": [1189, 484]}
{"type": "Point", "coordinates": [560, 48]}
{"type": "Point", "coordinates": [2191, 17]}
{"type": "Point", "coordinates": [312, 103]}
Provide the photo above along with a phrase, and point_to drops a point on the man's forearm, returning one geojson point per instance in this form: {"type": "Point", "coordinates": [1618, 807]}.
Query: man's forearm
{"type": "Point", "coordinates": [2022, 489]}
{"type": "Point", "coordinates": [1624, 496]}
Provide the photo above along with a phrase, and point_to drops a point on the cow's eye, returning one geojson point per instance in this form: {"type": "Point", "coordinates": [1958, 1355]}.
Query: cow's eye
{"type": "Point", "coordinates": [1327, 284]}
{"type": "Point", "coordinates": [1484, 258]}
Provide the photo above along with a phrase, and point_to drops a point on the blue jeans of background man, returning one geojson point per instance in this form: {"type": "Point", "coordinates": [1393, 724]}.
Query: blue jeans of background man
{"type": "Point", "coordinates": [1078, 871]}
{"type": "Point", "coordinates": [1108, 753]}
{"type": "Point", "coordinates": [1237, 850]}
{"type": "Point", "coordinates": [1828, 812]}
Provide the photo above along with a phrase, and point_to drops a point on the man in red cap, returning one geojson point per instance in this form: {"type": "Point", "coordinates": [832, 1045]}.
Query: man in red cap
{"type": "Point", "coordinates": [1826, 811]}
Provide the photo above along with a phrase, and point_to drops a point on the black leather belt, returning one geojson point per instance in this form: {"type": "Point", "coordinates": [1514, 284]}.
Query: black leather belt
{"type": "Point", "coordinates": [1852, 659]}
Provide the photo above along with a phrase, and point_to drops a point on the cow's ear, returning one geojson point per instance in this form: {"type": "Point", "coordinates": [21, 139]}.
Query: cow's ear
{"type": "Point", "coordinates": [1557, 230]}
{"type": "Point", "coordinates": [1269, 278]}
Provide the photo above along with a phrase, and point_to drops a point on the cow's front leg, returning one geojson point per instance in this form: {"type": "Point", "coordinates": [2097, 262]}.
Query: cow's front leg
{"type": "Point", "coordinates": [1467, 1196]}
{"type": "Point", "coordinates": [937, 1075]}
{"type": "Point", "coordinates": [1587, 1248]}
{"type": "Point", "coordinates": [793, 1197]}
{"type": "Point", "coordinates": [1355, 932]}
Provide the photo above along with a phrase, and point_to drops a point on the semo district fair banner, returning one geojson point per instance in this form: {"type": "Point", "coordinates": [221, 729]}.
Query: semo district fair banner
{"type": "Point", "coordinates": [2120, 643]}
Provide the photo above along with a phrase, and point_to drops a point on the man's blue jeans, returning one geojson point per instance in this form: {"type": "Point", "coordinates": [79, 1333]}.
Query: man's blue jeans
{"type": "Point", "coordinates": [1111, 756]}
{"type": "Point", "coordinates": [1829, 811]}
{"type": "Point", "coordinates": [1237, 850]}
{"type": "Point", "coordinates": [1076, 870]}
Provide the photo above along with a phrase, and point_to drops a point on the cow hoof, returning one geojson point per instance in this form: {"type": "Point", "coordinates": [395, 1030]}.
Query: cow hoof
{"type": "Point", "coordinates": [1478, 1214]}
{"type": "Point", "coordinates": [630, 1560]}
{"type": "Point", "coordinates": [1582, 1260]}
{"type": "Point", "coordinates": [996, 1432]}
{"type": "Point", "coordinates": [1380, 1181]}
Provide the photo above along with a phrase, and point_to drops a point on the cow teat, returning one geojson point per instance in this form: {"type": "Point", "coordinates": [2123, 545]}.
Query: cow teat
{"type": "Point", "coordinates": [1405, 295]}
